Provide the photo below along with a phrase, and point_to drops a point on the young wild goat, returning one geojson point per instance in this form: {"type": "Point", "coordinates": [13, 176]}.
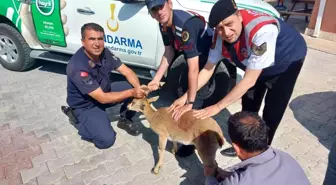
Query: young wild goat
{"type": "Point", "coordinates": [205, 134]}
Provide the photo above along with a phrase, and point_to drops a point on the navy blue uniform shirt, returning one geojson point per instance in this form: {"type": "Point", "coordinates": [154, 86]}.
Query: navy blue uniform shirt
{"type": "Point", "coordinates": [194, 45]}
{"type": "Point", "coordinates": [85, 76]}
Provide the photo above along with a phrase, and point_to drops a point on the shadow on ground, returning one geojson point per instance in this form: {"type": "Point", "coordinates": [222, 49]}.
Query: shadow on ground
{"type": "Point", "coordinates": [317, 113]}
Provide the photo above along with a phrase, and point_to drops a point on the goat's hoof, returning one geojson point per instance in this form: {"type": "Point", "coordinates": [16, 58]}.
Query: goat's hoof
{"type": "Point", "coordinates": [155, 170]}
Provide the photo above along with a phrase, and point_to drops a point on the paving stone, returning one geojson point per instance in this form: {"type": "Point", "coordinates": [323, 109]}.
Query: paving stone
{"type": "Point", "coordinates": [54, 165]}
{"type": "Point", "coordinates": [140, 155]}
{"type": "Point", "coordinates": [45, 130]}
{"type": "Point", "coordinates": [32, 127]}
{"type": "Point", "coordinates": [100, 171]}
{"type": "Point", "coordinates": [118, 164]}
{"type": "Point", "coordinates": [5, 141]}
{"type": "Point", "coordinates": [95, 182]}
{"type": "Point", "coordinates": [73, 181]}
{"type": "Point", "coordinates": [125, 149]}
{"type": "Point", "coordinates": [34, 141]}
{"type": "Point", "coordinates": [16, 147]}
{"type": "Point", "coordinates": [51, 178]}
{"type": "Point", "coordinates": [72, 170]}
{"type": "Point", "coordinates": [55, 144]}
{"type": "Point", "coordinates": [28, 154]}
{"type": "Point", "coordinates": [61, 133]}
{"type": "Point", "coordinates": [100, 159]}
{"type": "Point", "coordinates": [34, 172]}
{"type": "Point", "coordinates": [118, 177]}
{"type": "Point", "coordinates": [150, 178]}
{"type": "Point", "coordinates": [142, 167]}
{"type": "Point", "coordinates": [50, 155]}
{"type": "Point", "coordinates": [32, 182]}
{"type": "Point", "coordinates": [137, 180]}
{"type": "Point", "coordinates": [67, 149]}
{"type": "Point", "coordinates": [88, 152]}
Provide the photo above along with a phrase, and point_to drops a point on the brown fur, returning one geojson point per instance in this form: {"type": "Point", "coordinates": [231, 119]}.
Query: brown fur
{"type": "Point", "coordinates": [205, 134]}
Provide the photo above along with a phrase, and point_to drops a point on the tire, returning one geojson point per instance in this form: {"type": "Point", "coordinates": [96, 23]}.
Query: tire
{"type": "Point", "coordinates": [23, 61]}
{"type": "Point", "coordinates": [222, 84]}
{"type": "Point", "coordinates": [174, 74]}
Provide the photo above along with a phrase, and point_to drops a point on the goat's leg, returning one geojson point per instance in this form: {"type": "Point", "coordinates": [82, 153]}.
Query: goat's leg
{"type": "Point", "coordinates": [162, 147]}
{"type": "Point", "coordinates": [174, 149]}
{"type": "Point", "coordinates": [207, 146]}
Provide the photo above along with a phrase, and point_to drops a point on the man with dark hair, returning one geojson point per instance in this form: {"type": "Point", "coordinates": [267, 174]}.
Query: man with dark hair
{"type": "Point", "coordinates": [267, 49]}
{"type": "Point", "coordinates": [90, 26]}
{"type": "Point", "coordinates": [90, 91]}
{"type": "Point", "coordinates": [261, 164]}
{"type": "Point", "coordinates": [187, 33]}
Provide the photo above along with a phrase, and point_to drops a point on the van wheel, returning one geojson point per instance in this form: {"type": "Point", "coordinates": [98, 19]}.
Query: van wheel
{"type": "Point", "coordinates": [14, 51]}
{"type": "Point", "coordinates": [174, 74]}
{"type": "Point", "coordinates": [222, 84]}
{"type": "Point", "coordinates": [220, 80]}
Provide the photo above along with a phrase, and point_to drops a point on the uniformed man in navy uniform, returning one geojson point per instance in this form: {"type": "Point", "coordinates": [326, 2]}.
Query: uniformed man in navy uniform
{"type": "Point", "coordinates": [188, 33]}
{"type": "Point", "coordinates": [271, 53]}
{"type": "Point", "coordinates": [90, 92]}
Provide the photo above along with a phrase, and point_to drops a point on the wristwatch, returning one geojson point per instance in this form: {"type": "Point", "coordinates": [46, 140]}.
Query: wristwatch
{"type": "Point", "coordinates": [189, 102]}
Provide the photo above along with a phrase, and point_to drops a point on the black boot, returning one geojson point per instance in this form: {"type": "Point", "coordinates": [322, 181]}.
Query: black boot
{"type": "Point", "coordinates": [129, 126]}
{"type": "Point", "coordinates": [68, 111]}
{"type": "Point", "coordinates": [185, 150]}
{"type": "Point", "coordinates": [229, 152]}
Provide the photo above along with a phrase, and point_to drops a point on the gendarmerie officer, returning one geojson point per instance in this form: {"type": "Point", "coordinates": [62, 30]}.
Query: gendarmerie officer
{"type": "Point", "coordinates": [90, 91]}
{"type": "Point", "coordinates": [271, 53]}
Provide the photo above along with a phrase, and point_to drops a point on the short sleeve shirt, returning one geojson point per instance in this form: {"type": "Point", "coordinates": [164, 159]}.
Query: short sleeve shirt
{"type": "Point", "coordinates": [267, 34]}
{"type": "Point", "coordinates": [194, 44]}
{"type": "Point", "coordinates": [85, 76]}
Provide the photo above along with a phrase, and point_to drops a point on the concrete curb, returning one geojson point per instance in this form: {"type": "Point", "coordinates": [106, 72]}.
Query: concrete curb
{"type": "Point", "coordinates": [320, 44]}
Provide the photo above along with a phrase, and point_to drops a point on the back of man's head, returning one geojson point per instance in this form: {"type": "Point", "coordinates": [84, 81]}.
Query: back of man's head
{"type": "Point", "coordinates": [248, 131]}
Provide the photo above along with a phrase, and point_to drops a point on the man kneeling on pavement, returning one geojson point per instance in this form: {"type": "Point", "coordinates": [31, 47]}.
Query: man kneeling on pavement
{"type": "Point", "coordinates": [90, 92]}
{"type": "Point", "coordinates": [261, 164]}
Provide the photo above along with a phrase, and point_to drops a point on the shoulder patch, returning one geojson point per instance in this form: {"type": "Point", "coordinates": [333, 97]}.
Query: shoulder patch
{"type": "Point", "coordinates": [185, 36]}
{"type": "Point", "coordinates": [259, 50]}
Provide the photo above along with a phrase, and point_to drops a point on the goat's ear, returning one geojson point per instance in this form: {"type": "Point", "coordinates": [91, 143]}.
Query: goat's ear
{"type": "Point", "coordinates": [146, 89]}
{"type": "Point", "coordinates": [153, 99]}
{"type": "Point", "coordinates": [162, 83]}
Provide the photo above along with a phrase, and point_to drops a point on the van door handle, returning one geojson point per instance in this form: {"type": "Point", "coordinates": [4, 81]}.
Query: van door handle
{"type": "Point", "coordinates": [85, 11]}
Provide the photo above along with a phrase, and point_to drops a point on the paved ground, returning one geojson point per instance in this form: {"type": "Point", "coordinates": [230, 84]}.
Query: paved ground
{"type": "Point", "coordinates": [38, 146]}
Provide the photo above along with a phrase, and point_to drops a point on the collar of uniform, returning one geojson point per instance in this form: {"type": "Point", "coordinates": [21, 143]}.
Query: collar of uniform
{"type": "Point", "coordinates": [267, 155]}
{"type": "Point", "coordinates": [102, 58]}
{"type": "Point", "coordinates": [173, 23]}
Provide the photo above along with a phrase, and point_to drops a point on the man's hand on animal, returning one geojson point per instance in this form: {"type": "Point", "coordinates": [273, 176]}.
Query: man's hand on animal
{"type": "Point", "coordinates": [178, 112]}
{"type": "Point", "coordinates": [153, 85]}
{"type": "Point", "coordinates": [177, 103]}
{"type": "Point", "coordinates": [138, 92]}
{"type": "Point", "coordinates": [207, 112]}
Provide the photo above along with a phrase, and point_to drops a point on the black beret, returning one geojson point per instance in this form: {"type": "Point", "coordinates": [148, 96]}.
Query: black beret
{"type": "Point", "coordinates": [221, 10]}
